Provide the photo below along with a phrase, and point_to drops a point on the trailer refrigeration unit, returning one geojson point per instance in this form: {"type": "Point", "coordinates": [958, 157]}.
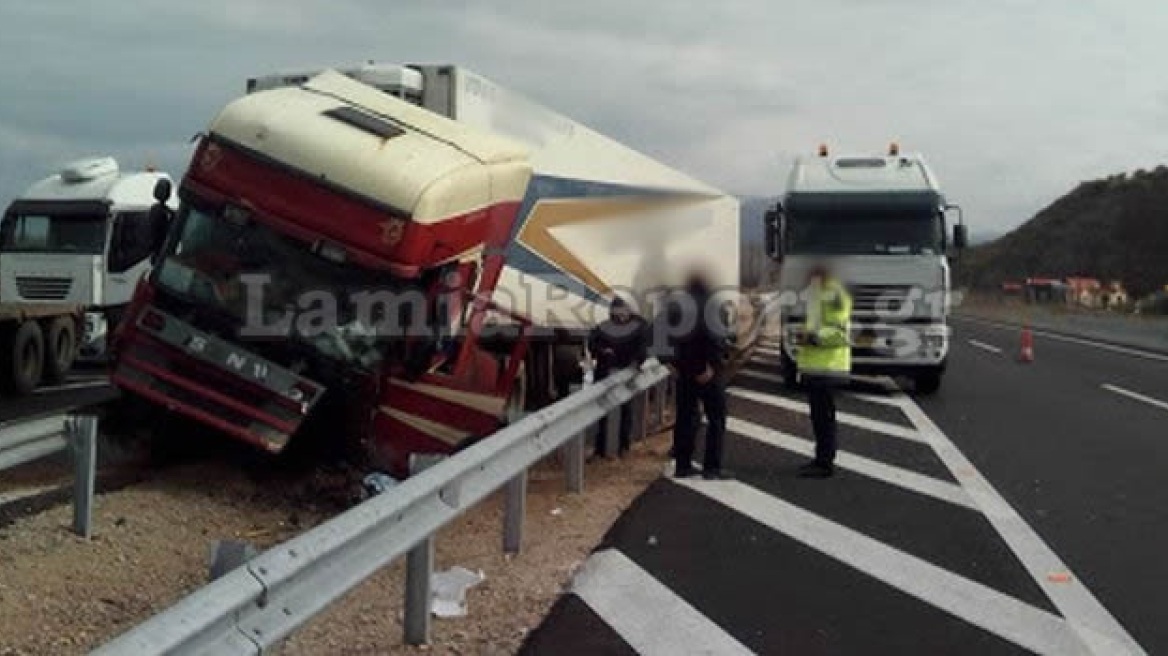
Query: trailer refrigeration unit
{"type": "Point", "coordinates": [404, 255]}
{"type": "Point", "coordinates": [880, 222]}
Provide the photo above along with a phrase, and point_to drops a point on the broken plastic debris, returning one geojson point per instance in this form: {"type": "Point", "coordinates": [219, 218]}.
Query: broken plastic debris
{"type": "Point", "coordinates": [652, 540]}
{"type": "Point", "coordinates": [556, 512]}
{"type": "Point", "coordinates": [1059, 577]}
{"type": "Point", "coordinates": [449, 591]}
{"type": "Point", "coordinates": [377, 482]}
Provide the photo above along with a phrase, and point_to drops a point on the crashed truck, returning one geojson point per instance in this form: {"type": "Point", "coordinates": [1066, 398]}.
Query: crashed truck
{"type": "Point", "coordinates": [404, 255]}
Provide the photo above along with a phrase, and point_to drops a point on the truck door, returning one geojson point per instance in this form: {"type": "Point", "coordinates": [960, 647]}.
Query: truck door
{"type": "Point", "coordinates": [131, 245]}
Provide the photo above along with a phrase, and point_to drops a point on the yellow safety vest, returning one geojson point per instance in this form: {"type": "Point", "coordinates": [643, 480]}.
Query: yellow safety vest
{"type": "Point", "coordinates": [829, 314]}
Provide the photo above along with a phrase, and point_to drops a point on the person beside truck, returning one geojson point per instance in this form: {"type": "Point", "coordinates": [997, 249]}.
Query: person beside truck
{"type": "Point", "coordinates": [618, 343]}
{"type": "Point", "coordinates": [824, 361]}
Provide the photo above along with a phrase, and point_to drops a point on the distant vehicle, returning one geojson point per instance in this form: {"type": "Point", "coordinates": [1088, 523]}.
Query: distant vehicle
{"type": "Point", "coordinates": [880, 221]}
{"type": "Point", "coordinates": [494, 228]}
{"type": "Point", "coordinates": [82, 237]}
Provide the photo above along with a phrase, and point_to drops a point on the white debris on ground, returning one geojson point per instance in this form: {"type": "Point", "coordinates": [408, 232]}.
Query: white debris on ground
{"type": "Point", "coordinates": [62, 595]}
{"type": "Point", "coordinates": [449, 591]}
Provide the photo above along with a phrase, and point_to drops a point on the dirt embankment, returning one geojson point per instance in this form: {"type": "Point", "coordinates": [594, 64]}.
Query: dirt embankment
{"type": "Point", "coordinates": [62, 595]}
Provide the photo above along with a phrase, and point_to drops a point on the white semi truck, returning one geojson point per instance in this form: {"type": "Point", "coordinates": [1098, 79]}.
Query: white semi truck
{"type": "Point", "coordinates": [881, 224]}
{"type": "Point", "coordinates": [82, 237]}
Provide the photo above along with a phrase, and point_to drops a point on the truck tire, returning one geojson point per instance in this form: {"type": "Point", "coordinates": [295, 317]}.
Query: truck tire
{"type": "Point", "coordinates": [25, 358]}
{"type": "Point", "coordinates": [928, 382]}
{"type": "Point", "coordinates": [60, 349]}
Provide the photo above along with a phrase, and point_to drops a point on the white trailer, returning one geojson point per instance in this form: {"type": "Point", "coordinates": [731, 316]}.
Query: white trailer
{"type": "Point", "coordinates": [81, 237]}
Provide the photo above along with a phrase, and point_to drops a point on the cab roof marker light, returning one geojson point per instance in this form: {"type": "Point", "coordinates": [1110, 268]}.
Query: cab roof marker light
{"type": "Point", "coordinates": [893, 149]}
{"type": "Point", "coordinates": [823, 150]}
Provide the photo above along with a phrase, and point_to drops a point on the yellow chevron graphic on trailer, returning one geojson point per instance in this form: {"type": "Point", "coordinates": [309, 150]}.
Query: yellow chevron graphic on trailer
{"type": "Point", "coordinates": [547, 214]}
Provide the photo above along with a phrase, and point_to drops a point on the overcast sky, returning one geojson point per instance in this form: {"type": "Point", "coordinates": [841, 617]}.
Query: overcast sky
{"type": "Point", "coordinates": [1013, 101]}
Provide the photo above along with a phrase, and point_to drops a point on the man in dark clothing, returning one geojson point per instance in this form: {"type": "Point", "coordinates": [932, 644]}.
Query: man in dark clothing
{"type": "Point", "coordinates": [619, 343]}
{"type": "Point", "coordinates": [698, 361]}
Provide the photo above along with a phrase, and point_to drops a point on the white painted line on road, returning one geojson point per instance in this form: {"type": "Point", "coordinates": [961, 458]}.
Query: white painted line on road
{"type": "Point", "coordinates": [980, 605]}
{"type": "Point", "coordinates": [86, 384]}
{"type": "Point", "coordinates": [903, 478]}
{"type": "Point", "coordinates": [843, 417]}
{"type": "Point", "coordinates": [862, 396]}
{"type": "Point", "coordinates": [645, 613]}
{"type": "Point", "coordinates": [1147, 355]}
{"type": "Point", "coordinates": [1136, 396]}
{"type": "Point", "coordinates": [985, 347]}
{"type": "Point", "coordinates": [875, 398]}
{"type": "Point", "coordinates": [1095, 626]}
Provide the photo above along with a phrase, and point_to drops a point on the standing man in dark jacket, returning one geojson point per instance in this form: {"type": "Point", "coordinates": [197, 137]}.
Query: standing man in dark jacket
{"type": "Point", "coordinates": [698, 360]}
{"type": "Point", "coordinates": [619, 343]}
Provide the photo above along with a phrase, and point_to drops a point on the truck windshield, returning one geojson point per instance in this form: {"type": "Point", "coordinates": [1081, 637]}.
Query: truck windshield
{"type": "Point", "coordinates": [47, 233]}
{"type": "Point", "coordinates": [859, 232]}
{"type": "Point", "coordinates": [231, 264]}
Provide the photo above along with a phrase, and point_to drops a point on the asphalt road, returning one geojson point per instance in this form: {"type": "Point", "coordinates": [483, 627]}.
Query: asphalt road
{"type": "Point", "coordinates": [1022, 509]}
{"type": "Point", "coordinates": [82, 388]}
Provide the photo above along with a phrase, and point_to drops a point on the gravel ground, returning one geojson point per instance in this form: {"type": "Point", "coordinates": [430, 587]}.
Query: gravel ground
{"type": "Point", "coordinates": [62, 595]}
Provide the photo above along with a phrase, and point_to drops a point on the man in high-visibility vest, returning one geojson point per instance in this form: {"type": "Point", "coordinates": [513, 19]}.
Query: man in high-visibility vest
{"type": "Point", "coordinates": [824, 361]}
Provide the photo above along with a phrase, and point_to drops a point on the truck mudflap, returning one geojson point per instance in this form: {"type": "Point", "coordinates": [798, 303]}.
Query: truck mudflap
{"type": "Point", "coordinates": [196, 374]}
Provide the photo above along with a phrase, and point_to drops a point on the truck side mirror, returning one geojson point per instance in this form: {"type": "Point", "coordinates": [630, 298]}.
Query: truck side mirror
{"type": "Point", "coordinates": [162, 190]}
{"type": "Point", "coordinates": [960, 236]}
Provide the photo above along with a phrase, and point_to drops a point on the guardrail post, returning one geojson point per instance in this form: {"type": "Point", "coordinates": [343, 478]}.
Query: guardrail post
{"type": "Point", "coordinates": [658, 393]}
{"type": "Point", "coordinates": [515, 507]}
{"type": "Point", "coordinates": [574, 462]}
{"type": "Point", "coordinates": [419, 570]}
{"type": "Point", "coordinates": [612, 422]}
{"type": "Point", "coordinates": [82, 433]}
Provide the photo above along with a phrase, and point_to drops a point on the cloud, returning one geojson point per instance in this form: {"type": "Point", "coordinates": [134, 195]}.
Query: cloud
{"type": "Point", "coordinates": [1013, 102]}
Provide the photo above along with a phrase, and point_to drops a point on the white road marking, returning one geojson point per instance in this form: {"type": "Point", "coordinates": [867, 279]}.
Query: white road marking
{"type": "Point", "coordinates": [1136, 396]}
{"type": "Point", "coordinates": [862, 396]}
{"type": "Point", "coordinates": [903, 478]}
{"type": "Point", "coordinates": [969, 600]}
{"type": "Point", "coordinates": [84, 384]}
{"type": "Point", "coordinates": [985, 347]}
{"type": "Point", "coordinates": [645, 613]}
{"type": "Point", "coordinates": [843, 417]}
{"type": "Point", "coordinates": [1095, 626]}
{"type": "Point", "coordinates": [1147, 355]}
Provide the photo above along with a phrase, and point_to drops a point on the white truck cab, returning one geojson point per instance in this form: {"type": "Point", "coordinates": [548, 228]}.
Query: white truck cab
{"type": "Point", "coordinates": [879, 223]}
{"type": "Point", "coordinates": [83, 236]}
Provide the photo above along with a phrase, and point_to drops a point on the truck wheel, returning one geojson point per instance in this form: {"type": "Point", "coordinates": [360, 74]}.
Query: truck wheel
{"type": "Point", "coordinates": [789, 371]}
{"type": "Point", "coordinates": [60, 349]}
{"type": "Point", "coordinates": [928, 382]}
{"type": "Point", "coordinates": [26, 357]}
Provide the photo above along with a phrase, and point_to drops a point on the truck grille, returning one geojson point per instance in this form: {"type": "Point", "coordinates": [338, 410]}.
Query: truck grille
{"type": "Point", "coordinates": [38, 288]}
{"type": "Point", "coordinates": [879, 299]}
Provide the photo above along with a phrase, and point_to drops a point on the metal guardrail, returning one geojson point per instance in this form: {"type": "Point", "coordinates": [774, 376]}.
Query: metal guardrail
{"type": "Point", "coordinates": [31, 440]}
{"type": "Point", "coordinates": [257, 605]}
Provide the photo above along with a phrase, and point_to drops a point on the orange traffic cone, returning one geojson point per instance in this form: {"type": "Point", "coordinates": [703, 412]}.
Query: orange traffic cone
{"type": "Point", "coordinates": [1026, 354]}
